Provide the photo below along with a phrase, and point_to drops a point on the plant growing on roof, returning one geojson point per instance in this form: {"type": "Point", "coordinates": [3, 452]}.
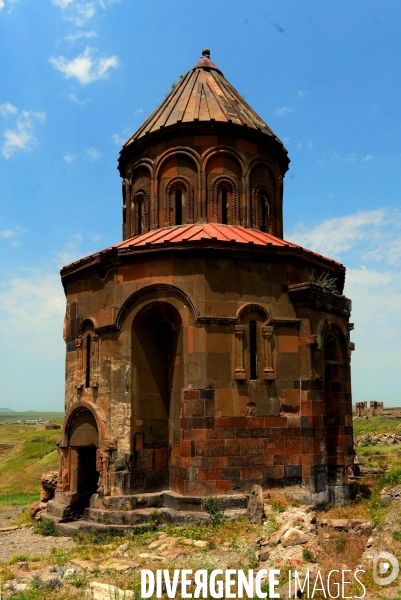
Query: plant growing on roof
{"type": "Point", "coordinates": [323, 280]}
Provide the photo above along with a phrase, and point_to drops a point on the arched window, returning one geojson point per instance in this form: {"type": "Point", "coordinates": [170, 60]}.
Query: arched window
{"type": "Point", "coordinates": [261, 209]}
{"type": "Point", "coordinates": [264, 213]}
{"type": "Point", "coordinates": [254, 345]}
{"type": "Point", "coordinates": [224, 206]}
{"type": "Point", "coordinates": [253, 365]}
{"type": "Point", "coordinates": [178, 206]}
{"type": "Point", "coordinates": [178, 201]}
{"type": "Point", "coordinates": [140, 212]}
{"type": "Point", "coordinates": [223, 203]}
{"type": "Point", "coordinates": [88, 361]}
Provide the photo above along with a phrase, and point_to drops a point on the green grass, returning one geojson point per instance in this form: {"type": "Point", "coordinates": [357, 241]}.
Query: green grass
{"type": "Point", "coordinates": [23, 416]}
{"type": "Point", "coordinates": [376, 425]}
{"type": "Point", "coordinates": [18, 499]}
{"type": "Point", "coordinates": [31, 454]}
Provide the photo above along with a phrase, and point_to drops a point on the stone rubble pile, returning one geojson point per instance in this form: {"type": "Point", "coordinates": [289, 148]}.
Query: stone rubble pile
{"type": "Point", "coordinates": [297, 532]}
{"type": "Point", "coordinates": [378, 438]}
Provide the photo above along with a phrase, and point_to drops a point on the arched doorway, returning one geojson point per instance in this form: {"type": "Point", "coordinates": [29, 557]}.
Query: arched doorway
{"type": "Point", "coordinates": [157, 372]}
{"type": "Point", "coordinates": [83, 443]}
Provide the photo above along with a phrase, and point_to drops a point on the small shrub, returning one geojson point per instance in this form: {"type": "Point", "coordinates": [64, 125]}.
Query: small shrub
{"type": "Point", "coordinates": [265, 589]}
{"type": "Point", "coordinates": [396, 536]}
{"type": "Point", "coordinates": [156, 518]}
{"type": "Point", "coordinates": [45, 527]}
{"type": "Point", "coordinates": [212, 507]}
{"type": "Point", "coordinates": [253, 561]}
{"type": "Point", "coordinates": [17, 558]}
{"type": "Point", "coordinates": [78, 580]}
{"type": "Point", "coordinates": [60, 556]}
{"type": "Point", "coordinates": [6, 575]}
{"type": "Point", "coordinates": [278, 505]}
{"type": "Point", "coordinates": [392, 478]}
{"type": "Point", "coordinates": [308, 555]}
{"type": "Point", "coordinates": [340, 543]}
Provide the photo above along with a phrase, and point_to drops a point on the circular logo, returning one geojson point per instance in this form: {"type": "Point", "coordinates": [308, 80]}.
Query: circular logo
{"type": "Point", "coordinates": [382, 572]}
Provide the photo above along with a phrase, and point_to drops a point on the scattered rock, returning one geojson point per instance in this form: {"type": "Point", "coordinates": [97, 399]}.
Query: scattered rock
{"type": "Point", "coordinates": [103, 591]}
{"type": "Point", "coordinates": [255, 511]}
{"type": "Point", "coordinates": [69, 573]}
{"type": "Point", "coordinates": [200, 544]}
{"type": "Point", "coordinates": [121, 549]}
{"type": "Point", "coordinates": [36, 509]}
{"type": "Point", "coordinates": [293, 537]}
{"type": "Point", "coordinates": [48, 485]}
{"type": "Point", "coordinates": [284, 592]}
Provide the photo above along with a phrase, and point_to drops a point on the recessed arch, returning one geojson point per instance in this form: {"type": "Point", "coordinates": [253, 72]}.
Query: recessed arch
{"type": "Point", "coordinates": [147, 163]}
{"type": "Point", "coordinates": [97, 414]}
{"type": "Point", "coordinates": [163, 290]}
{"type": "Point", "coordinates": [177, 151]}
{"type": "Point", "coordinates": [221, 150]}
{"type": "Point", "coordinates": [250, 308]}
{"type": "Point", "coordinates": [258, 160]}
{"type": "Point", "coordinates": [87, 324]}
{"type": "Point", "coordinates": [334, 326]}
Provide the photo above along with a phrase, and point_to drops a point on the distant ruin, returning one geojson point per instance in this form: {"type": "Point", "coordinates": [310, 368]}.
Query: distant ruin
{"type": "Point", "coordinates": [376, 409]}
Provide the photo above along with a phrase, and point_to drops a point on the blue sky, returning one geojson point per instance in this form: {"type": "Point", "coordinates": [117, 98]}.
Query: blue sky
{"type": "Point", "coordinates": [78, 77]}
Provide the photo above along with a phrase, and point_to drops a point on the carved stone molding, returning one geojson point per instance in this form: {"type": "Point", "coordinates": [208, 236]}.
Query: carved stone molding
{"type": "Point", "coordinates": [213, 204]}
{"type": "Point", "coordinates": [145, 196]}
{"type": "Point", "coordinates": [240, 341]}
{"type": "Point", "coordinates": [189, 198]}
{"type": "Point", "coordinates": [267, 332]}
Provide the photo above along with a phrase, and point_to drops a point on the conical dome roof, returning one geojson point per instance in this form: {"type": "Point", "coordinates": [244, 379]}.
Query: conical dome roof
{"type": "Point", "coordinates": [203, 96]}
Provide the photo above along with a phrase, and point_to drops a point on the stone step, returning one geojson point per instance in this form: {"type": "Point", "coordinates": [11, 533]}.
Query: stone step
{"type": "Point", "coordinates": [166, 499]}
{"type": "Point", "coordinates": [55, 509]}
{"type": "Point", "coordinates": [128, 502]}
{"type": "Point", "coordinates": [102, 521]}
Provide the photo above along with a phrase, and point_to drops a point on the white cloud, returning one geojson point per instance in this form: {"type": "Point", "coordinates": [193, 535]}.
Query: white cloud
{"type": "Point", "coordinates": [92, 154]}
{"type": "Point", "coordinates": [1, 4]}
{"type": "Point", "coordinates": [372, 235]}
{"type": "Point", "coordinates": [13, 235]}
{"type": "Point", "coordinates": [7, 109]}
{"type": "Point", "coordinates": [80, 12]}
{"type": "Point", "coordinates": [368, 157]}
{"type": "Point", "coordinates": [302, 93]}
{"type": "Point", "coordinates": [74, 99]}
{"type": "Point", "coordinates": [285, 110]}
{"type": "Point", "coordinates": [21, 137]}
{"type": "Point", "coordinates": [85, 67]}
{"type": "Point", "coordinates": [79, 35]}
{"type": "Point", "coordinates": [117, 139]}
{"type": "Point", "coordinates": [371, 242]}
{"type": "Point", "coordinates": [30, 298]}
{"type": "Point", "coordinates": [63, 3]}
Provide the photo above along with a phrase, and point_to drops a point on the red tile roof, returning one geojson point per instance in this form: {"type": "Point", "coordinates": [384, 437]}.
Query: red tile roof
{"type": "Point", "coordinates": [197, 235]}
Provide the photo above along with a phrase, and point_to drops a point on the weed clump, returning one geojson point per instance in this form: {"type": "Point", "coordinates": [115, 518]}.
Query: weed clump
{"type": "Point", "coordinates": [45, 527]}
{"type": "Point", "coordinates": [212, 507]}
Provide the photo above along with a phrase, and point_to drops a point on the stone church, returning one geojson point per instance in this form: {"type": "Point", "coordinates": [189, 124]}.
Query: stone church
{"type": "Point", "coordinates": [204, 353]}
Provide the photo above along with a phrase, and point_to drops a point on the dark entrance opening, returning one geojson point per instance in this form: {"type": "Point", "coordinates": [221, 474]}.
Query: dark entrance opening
{"type": "Point", "coordinates": [87, 476]}
{"type": "Point", "coordinates": [84, 439]}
